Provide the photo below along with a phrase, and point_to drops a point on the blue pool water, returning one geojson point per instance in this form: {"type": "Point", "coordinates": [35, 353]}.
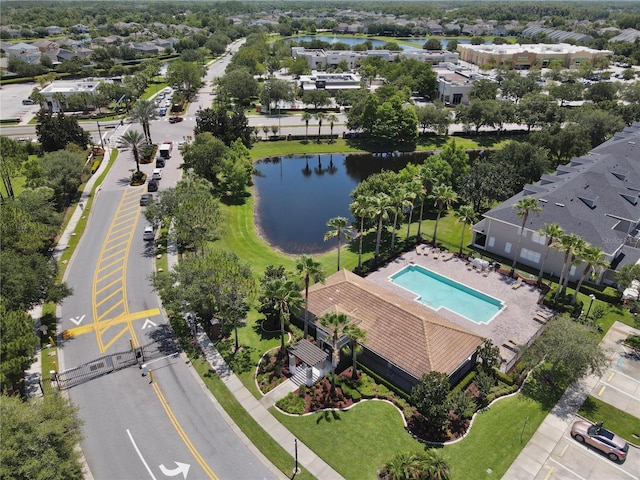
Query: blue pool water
{"type": "Point", "coordinates": [436, 292]}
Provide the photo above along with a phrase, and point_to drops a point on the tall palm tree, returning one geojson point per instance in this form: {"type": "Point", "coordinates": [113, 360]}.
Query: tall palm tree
{"type": "Point", "coordinates": [339, 229]}
{"type": "Point", "coordinates": [576, 253]}
{"type": "Point", "coordinates": [593, 258]}
{"type": "Point", "coordinates": [310, 271]}
{"type": "Point", "coordinates": [335, 322]}
{"type": "Point", "coordinates": [444, 196]}
{"type": "Point", "coordinates": [355, 335]}
{"type": "Point", "coordinates": [413, 189]}
{"type": "Point", "coordinates": [523, 206]}
{"type": "Point", "coordinates": [60, 99]}
{"type": "Point", "coordinates": [361, 208]}
{"type": "Point", "coordinates": [380, 206]}
{"type": "Point", "coordinates": [332, 119]}
{"type": "Point", "coordinates": [143, 111]}
{"type": "Point", "coordinates": [398, 197]}
{"type": "Point", "coordinates": [465, 215]}
{"type": "Point", "coordinates": [135, 141]}
{"type": "Point", "coordinates": [427, 178]}
{"type": "Point", "coordinates": [552, 231]}
{"type": "Point", "coordinates": [284, 296]}
{"type": "Point", "coordinates": [306, 117]}
{"type": "Point", "coordinates": [567, 243]}
{"type": "Point", "coordinates": [320, 117]}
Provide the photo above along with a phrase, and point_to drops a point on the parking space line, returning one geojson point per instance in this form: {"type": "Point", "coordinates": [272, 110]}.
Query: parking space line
{"type": "Point", "coordinates": [618, 389]}
{"type": "Point", "coordinates": [634, 379]}
{"type": "Point", "coordinates": [567, 469]}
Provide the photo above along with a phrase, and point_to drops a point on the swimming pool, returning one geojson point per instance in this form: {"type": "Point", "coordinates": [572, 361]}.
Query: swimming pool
{"type": "Point", "coordinates": [436, 292]}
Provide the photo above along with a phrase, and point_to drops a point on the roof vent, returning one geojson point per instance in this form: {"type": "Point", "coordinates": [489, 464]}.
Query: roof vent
{"type": "Point", "coordinates": [632, 199]}
{"type": "Point", "coordinates": [620, 175]}
{"type": "Point", "coordinates": [589, 201]}
{"type": "Point", "coordinates": [559, 204]}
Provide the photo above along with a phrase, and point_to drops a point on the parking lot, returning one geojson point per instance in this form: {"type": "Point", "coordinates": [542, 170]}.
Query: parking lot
{"type": "Point", "coordinates": [553, 454]}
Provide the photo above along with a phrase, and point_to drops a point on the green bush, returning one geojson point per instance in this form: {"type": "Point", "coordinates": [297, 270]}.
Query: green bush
{"type": "Point", "coordinates": [504, 378]}
{"type": "Point", "coordinates": [464, 383]}
{"type": "Point", "coordinates": [382, 381]}
{"type": "Point", "coordinates": [367, 386]}
{"type": "Point", "coordinates": [633, 341]}
{"type": "Point", "coordinates": [292, 403]}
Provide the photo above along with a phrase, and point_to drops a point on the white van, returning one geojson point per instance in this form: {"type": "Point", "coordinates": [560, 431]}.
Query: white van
{"type": "Point", "coordinates": [148, 233]}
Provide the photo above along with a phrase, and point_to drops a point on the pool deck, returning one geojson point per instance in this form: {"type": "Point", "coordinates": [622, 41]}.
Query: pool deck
{"type": "Point", "coordinates": [514, 325]}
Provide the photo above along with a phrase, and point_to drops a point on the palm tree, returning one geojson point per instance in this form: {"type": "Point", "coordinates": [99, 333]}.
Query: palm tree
{"type": "Point", "coordinates": [336, 322]}
{"type": "Point", "coordinates": [567, 243]}
{"type": "Point", "coordinates": [408, 466]}
{"type": "Point", "coordinates": [355, 335]}
{"type": "Point", "coordinates": [427, 178]}
{"type": "Point", "coordinates": [143, 112]}
{"type": "Point", "coordinates": [339, 229]}
{"type": "Point", "coordinates": [134, 140]}
{"type": "Point", "coordinates": [413, 189]}
{"type": "Point", "coordinates": [578, 247]}
{"type": "Point", "coordinates": [310, 271]}
{"type": "Point", "coordinates": [284, 296]}
{"type": "Point", "coordinates": [523, 206]}
{"type": "Point", "coordinates": [306, 116]}
{"type": "Point", "coordinates": [444, 196]}
{"type": "Point", "coordinates": [332, 119]}
{"type": "Point", "coordinates": [380, 205]}
{"type": "Point", "coordinates": [552, 231]}
{"type": "Point", "coordinates": [398, 197]}
{"type": "Point", "coordinates": [320, 117]}
{"type": "Point", "coordinates": [465, 215]}
{"type": "Point", "coordinates": [361, 208]}
{"type": "Point", "coordinates": [60, 99]}
{"type": "Point", "coordinates": [593, 258]}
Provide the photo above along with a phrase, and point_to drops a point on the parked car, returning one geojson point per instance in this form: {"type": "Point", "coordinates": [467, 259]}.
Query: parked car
{"type": "Point", "coordinates": [175, 119]}
{"type": "Point", "coordinates": [162, 112]}
{"type": "Point", "coordinates": [145, 199]}
{"type": "Point", "coordinates": [28, 101]}
{"type": "Point", "coordinates": [600, 438]}
{"type": "Point", "coordinates": [148, 233]}
{"type": "Point", "coordinates": [153, 185]}
{"type": "Point", "coordinates": [156, 174]}
{"type": "Point", "coordinates": [160, 162]}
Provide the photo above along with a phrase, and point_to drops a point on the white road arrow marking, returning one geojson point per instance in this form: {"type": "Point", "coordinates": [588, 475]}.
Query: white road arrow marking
{"type": "Point", "coordinates": [183, 468]}
{"type": "Point", "coordinates": [148, 323]}
{"type": "Point", "coordinates": [77, 320]}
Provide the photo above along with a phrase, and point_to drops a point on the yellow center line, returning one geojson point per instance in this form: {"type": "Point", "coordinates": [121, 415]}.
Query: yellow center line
{"type": "Point", "coordinates": [208, 471]}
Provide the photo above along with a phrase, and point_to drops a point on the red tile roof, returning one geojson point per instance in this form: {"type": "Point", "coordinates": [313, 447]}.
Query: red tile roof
{"type": "Point", "coordinates": [410, 335]}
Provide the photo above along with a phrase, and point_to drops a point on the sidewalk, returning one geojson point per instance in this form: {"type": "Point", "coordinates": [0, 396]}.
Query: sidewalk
{"type": "Point", "coordinates": [258, 409]}
{"type": "Point", "coordinates": [529, 464]}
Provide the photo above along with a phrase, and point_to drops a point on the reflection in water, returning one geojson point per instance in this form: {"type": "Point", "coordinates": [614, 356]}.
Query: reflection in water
{"type": "Point", "coordinates": [296, 200]}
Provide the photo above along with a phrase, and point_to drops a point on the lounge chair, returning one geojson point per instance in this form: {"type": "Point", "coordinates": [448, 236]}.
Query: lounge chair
{"type": "Point", "coordinates": [518, 284]}
{"type": "Point", "coordinates": [419, 250]}
{"type": "Point", "coordinates": [448, 257]}
{"type": "Point", "coordinates": [436, 253]}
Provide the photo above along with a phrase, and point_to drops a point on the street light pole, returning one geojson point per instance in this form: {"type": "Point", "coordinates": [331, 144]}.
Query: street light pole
{"type": "Point", "coordinates": [592, 297]}
{"type": "Point", "coordinates": [100, 135]}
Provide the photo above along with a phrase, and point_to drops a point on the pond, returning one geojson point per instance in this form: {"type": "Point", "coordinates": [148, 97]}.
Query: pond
{"type": "Point", "coordinates": [297, 195]}
{"type": "Point", "coordinates": [351, 41]}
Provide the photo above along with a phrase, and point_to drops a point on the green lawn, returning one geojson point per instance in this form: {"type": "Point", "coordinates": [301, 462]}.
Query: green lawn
{"type": "Point", "coordinates": [622, 423]}
{"type": "Point", "coordinates": [370, 433]}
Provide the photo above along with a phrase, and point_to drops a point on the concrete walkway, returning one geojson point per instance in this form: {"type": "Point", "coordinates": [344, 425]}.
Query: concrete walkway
{"type": "Point", "coordinates": [258, 409]}
{"type": "Point", "coordinates": [532, 459]}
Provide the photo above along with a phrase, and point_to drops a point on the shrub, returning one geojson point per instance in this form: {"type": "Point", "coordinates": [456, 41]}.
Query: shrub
{"type": "Point", "coordinates": [503, 377]}
{"type": "Point", "coordinates": [367, 387]}
{"type": "Point", "coordinates": [292, 403]}
{"type": "Point", "coordinates": [633, 341]}
{"type": "Point", "coordinates": [464, 383]}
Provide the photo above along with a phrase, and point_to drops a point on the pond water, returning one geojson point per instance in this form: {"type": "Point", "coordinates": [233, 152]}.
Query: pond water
{"type": "Point", "coordinates": [418, 42]}
{"type": "Point", "coordinates": [297, 195]}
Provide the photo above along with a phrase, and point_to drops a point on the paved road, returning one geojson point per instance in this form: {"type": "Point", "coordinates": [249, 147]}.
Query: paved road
{"type": "Point", "coordinates": [134, 428]}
